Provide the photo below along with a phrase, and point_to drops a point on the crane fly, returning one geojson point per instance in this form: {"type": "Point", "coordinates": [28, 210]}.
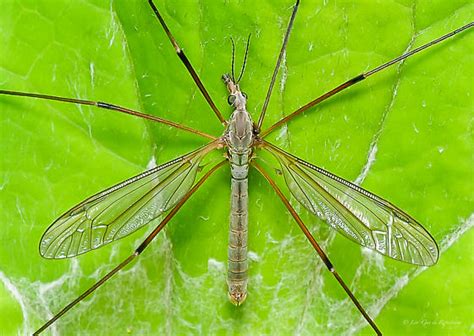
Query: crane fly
{"type": "Point", "coordinates": [160, 192]}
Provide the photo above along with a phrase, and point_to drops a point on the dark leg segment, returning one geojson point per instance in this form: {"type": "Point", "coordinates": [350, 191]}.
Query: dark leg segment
{"type": "Point", "coordinates": [318, 248]}
{"type": "Point", "coordinates": [277, 66]}
{"type": "Point", "coordinates": [361, 77]}
{"type": "Point", "coordinates": [137, 252]}
{"type": "Point", "coordinates": [108, 106]}
{"type": "Point", "coordinates": [187, 64]}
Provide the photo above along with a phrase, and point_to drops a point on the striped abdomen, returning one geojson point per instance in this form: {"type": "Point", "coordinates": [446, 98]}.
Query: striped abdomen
{"type": "Point", "coordinates": [237, 276]}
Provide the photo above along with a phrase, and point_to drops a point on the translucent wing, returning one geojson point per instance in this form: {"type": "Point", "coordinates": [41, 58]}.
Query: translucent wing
{"type": "Point", "coordinates": [356, 213]}
{"type": "Point", "coordinates": [122, 209]}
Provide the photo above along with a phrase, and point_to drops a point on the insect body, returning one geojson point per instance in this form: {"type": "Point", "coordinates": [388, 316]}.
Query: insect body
{"type": "Point", "coordinates": [239, 138]}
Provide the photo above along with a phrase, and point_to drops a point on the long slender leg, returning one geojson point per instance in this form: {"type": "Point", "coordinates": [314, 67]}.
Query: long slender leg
{"type": "Point", "coordinates": [318, 248]}
{"type": "Point", "coordinates": [108, 106]}
{"type": "Point", "coordinates": [277, 66]}
{"type": "Point", "coordinates": [361, 77]}
{"type": "Point", "coordinates": [187, 64]}
{"type": "Point", "coordinates": [137, 252]}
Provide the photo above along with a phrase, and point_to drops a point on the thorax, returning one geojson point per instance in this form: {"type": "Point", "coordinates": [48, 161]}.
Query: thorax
{"type": "Point", "coordinates": [239, 134]}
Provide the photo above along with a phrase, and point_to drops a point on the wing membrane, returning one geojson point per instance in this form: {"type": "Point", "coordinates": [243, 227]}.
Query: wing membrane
{"type": "Point", "coordinates": [122, 209]}
{"type": "Point", "coordinates": [356, 213]}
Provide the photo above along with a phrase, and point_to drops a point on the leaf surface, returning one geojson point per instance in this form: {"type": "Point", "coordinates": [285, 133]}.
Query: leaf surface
{"type": "Point", "coordinates": [405, 134]}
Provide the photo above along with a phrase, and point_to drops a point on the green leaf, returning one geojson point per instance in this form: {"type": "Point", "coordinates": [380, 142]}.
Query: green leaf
{"type": "Point", "coordinates": [406, 132]}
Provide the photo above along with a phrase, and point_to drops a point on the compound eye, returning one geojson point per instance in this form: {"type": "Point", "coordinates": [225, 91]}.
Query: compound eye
{"type": "Point", "coordinates": [244, 94]}
{"type": "Point", "coordinates": [231, 99]}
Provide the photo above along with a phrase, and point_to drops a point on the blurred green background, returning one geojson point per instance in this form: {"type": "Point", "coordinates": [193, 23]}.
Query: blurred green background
{"type": "Point", "coordinates": [405, 133]}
